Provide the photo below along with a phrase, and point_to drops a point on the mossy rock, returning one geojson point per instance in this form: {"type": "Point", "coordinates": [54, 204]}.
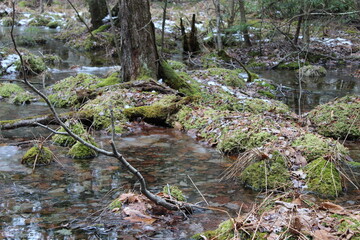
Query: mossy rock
{"type": "Point", "coordinates": [101, 29]}
{"type": "Point", "coordinates": [65, 140]}
{"type": "Point", "coordinates": [39, 20]}
{"type": "Point", "coordinates": [9, 89]}
{"type": "Point", "coordinates": [98, 109]}
{"type": "Point", "coordinates": [288, 66]}
{"type": "Point", "coordinates": [271, 173]}
{"type": "Point", "coordinates": [225, 231]}
{"type": "Point", "coordinates": [65, 92]}
{"type": "Point", "coordinates": [53, 24]}
{"type": "Point", "coordinates": [312, 71]}
{"type": "Point", "coordinates": [33, 64]}
{"type": "Point", "coordinates": [225, 76]}
{"type": "Point", "coordinates": [21, 98]}
{"type": "Point", "coordinates": [80, 151]}
{"type": "Point", "coordinates": [38, 155]}
{"type": "Point", "coordinates": [323, 178]}
{"type": "Point", "coordinates": [339, 118]}
{"type": "Point", "coordinates": [175, 192]}
{"type": "Point", "coordinates": [51, 59]}
{"type": "Point", "coordinates": [176, 65]}
{"type": "Point", "coordinates": [110, 80]}
{"type": "Point", "coordinates": [314, 147]}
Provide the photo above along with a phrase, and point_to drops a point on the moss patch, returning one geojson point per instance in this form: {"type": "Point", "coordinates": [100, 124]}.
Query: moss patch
{"type": "Point", "coordinates": [225, 231]}
{"type": "Point", "coordinates": [176, 81]}
{"type": "Point", "coordinates": [65, 140]}
{"type": "Point", "coordinates": [21, 98]}
{"type": "Point", "coordinates": [39, 154]}
{"type": "Point", "coordinates": [323, 178]}
{"type": "Point", "coordinates": [314, 147]}
{"type": "Point", "coordinates": [339, 118]}
{"type": "Point", "coordinates": [32, 64]}
{"type": "Point", "coordinates": [8, 89]}
{"type": "Point", "coordinates": [65, 93]}
{"type": "Point", "coordinates": [80, 151]}
{"type": "Point", "coordinates": [312, 71]}
{"type": "Point", "coordinates": [224, 76]}
{"type": "Point", "coordinates": [110, 80]}
{"type": "Point", "coordinates": [267, 174]}
{"type": "Point", "coordinates": [175, 192]}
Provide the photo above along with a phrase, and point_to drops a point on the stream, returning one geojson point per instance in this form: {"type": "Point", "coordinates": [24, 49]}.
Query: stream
{"type": "Point", "coordinates": [40, 205]}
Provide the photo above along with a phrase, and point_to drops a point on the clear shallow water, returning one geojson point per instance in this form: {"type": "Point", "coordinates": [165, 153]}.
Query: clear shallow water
{"type": "Point", "coordinates": [315, 91]}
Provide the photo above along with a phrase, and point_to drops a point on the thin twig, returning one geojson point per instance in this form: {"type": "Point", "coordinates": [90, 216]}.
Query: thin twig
{"type": "Point", "coordinates": [198, 190]}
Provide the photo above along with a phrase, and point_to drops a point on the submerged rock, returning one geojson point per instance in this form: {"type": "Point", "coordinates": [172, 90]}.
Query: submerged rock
{"type": "Point", "coordinates": [80, 151]}
{"type": "Point", "coordinates": [33, 64]}
{"type": "Point", "coordinates": [39, 155]}
{"type": "Point", "coordinates": [339, 118]}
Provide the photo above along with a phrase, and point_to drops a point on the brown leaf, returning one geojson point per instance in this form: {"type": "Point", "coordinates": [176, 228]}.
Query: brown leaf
{"type": "Point", "coordinates": [129, 198]}
{"type": "Point", "coordinates": [332, 207]}
{"type": "Point", "coordinates": [323, 235]}
{"type": "Point", "coordinates": [139, 219]}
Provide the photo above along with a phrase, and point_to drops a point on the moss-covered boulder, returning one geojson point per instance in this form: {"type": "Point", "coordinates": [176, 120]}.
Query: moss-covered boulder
{"type": "Point", "coordinates": [80, 151]}
{"type": "Point", "coordinates": [339, 118]}
{"type": "Point", "coordinates": [8, 89]}
{"type": "Point", "coordinates": [312, 71]}
{"type": "Point", "coordinates": [323, 178]}
{"type": "Point", "coordinates": [113, 79]}
{"type": "Point", "coordinates": [313, 147]}
{"type": "Point", "coordinates": [66, 140]}
{"type": "Point", "coordinates": [53, 24]}
{"type": "Point", "coordinates": [33, 64]}
{"type": "Point", "coordinates": [175, 192]}
{"type": "Point", "coordinates": [38, 155]}
{"type": "Point", "coordinates": [72, 91]}
{"type": "Point", "coordinates": [177, 66]}
{"type": "Point", "coordinates": [223, 76]}
{"type": "Point", "coordinates": [40, 20]}
{"type": "Point", "coordinates": [21, 98]}
{"type": "Point", "coordinates": [271, 173]}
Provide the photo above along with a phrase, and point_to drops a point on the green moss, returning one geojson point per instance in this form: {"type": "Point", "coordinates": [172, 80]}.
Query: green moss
{"type": "Point", "coordinates": [51, 59]}
{"type": "Point", "coordinates": [210, 60]}
{"type": "Point", "coordinates": [257, 105]}
{"type": "Point", "coordinates": [354, 164]}
{"type": "Point", "coordinates": [347, 223]}
{"type": "Point", "coordinates": [339, 118]}
{"type": "Point", "coordinates": [64, 92]}
{"type": "Point", "coordinates": [8, 89]}
{"type": "Point", "coordinates": [258, 65]}
{"type": "Point", "coordinates": [176, 81]}
{"type": "Point", "coordinates": [98, 109]}
{"type": "Point", "coordinates": [80, 151]}
{"type": "Point", "coordinates": [174, 192]}
{"type": "Point", "coordinates": [101, 29]}
{"type": "Point", "coordinates": [179, 66]}
{"type": "Point", "coordinates": [266, 93]}
{"type": "Point", "coordinates": [314, 147]}
{"type": "Point", "coordinates": [288, 66]}
{"type": "Point", "coordinates": [65, 140]}
{"type": "Point", "coordinates": [53, 24]}
{"type": "Point", "coordinates": [40, 20]}
{"type": "Point", "coordinates": [267, 174]}
{"type": "Point", "coordinates": [33, 64]}
{"type": "Point", "coordinates": [158, 112]}
{"type": "Point", "coordinates": [323, 178]}
{"type": "Point", "coordinates": [39, 154]}
{"type": "Point", "coordinates": [21, 98]}
{"type": "Point", "coordinates": [7, 22]}
{"type": "Point", "coordinates": [110, 80]}
{"type": "Point", "coordinates": [225, 231]}
{"type": "Point", "coordinates": [115, 204]}
{"type": "Point", "coordinates": [226, 76]}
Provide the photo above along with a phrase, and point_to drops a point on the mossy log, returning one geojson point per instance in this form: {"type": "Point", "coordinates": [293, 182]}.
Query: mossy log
{"type": "Point", "coordinates": [33, 121]}
{"type": "Point", "coordinates": [148, 86]}
{"type": "Point", "coordinates": [159, 112]}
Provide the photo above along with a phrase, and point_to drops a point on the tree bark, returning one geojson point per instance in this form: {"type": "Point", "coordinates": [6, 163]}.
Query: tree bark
{"type": "Point", "coordinates": [219, 44]}
{"type": "Point", "coordinates": [243, 23]}
{"type": "Point", "coordinates": [98, 11]}
{"type": "Point", "coordinates": [139, 54]}
{"type": "Point", "coordinates": [298, 28]}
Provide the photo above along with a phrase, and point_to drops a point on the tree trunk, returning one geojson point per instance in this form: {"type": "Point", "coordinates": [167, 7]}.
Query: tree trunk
{"type": "Point", "coordinates": [41, 6]}
{"type": "Point", "coordinates": [193, 41]}
{"type": "Point", "coordinates": [98, 11]}
{"type": "Point", "coordinates": [219, 45]}
{"type": "Point", "coordinates": [243, 23]}
{"type": "Point", "coordinates": [298, 28]}
{"type": "Point", "coordinates": [139, 54]}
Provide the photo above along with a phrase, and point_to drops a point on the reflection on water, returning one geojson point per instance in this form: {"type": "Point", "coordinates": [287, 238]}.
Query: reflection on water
{"type": "Point", "coordinates": [320, 90]}
{"type": "Point", "coordinates": [37, 204]}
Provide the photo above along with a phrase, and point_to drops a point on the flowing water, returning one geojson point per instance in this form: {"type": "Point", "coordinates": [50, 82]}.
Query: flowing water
{"type": "Point", "coordinates": [45, 203]}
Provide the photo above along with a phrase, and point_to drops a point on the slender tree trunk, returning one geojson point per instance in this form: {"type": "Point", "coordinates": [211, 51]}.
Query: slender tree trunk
{"type": "Point", "coordinates": [139, 55]}
{"type": "Point", "coordinates": [163, 27]}
{"type": "Point", "coordinates": [244, 23]}
{"type": "Point", "coordinates": [298, 28]}
{"type": "Point", "coordinates": [219, 44]}
{"type": "Point", "coordinates": [41, 6]}
{"type": "Point", "coordinates": [193, 41]}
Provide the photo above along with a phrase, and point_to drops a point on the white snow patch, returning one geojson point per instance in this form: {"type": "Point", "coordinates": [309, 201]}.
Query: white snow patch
{"type": "Point", "coordinates": [10, 59]}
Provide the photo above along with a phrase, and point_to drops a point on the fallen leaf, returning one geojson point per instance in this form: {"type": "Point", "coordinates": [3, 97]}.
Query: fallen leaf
{"type": "Point", "coordinates": [332, 207]}
{"type": "Point", "coordinates": [323, 235]}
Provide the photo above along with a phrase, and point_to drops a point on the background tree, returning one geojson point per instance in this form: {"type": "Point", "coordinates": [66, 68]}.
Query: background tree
{"type": "Point", "coordinates": [98, 11]}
